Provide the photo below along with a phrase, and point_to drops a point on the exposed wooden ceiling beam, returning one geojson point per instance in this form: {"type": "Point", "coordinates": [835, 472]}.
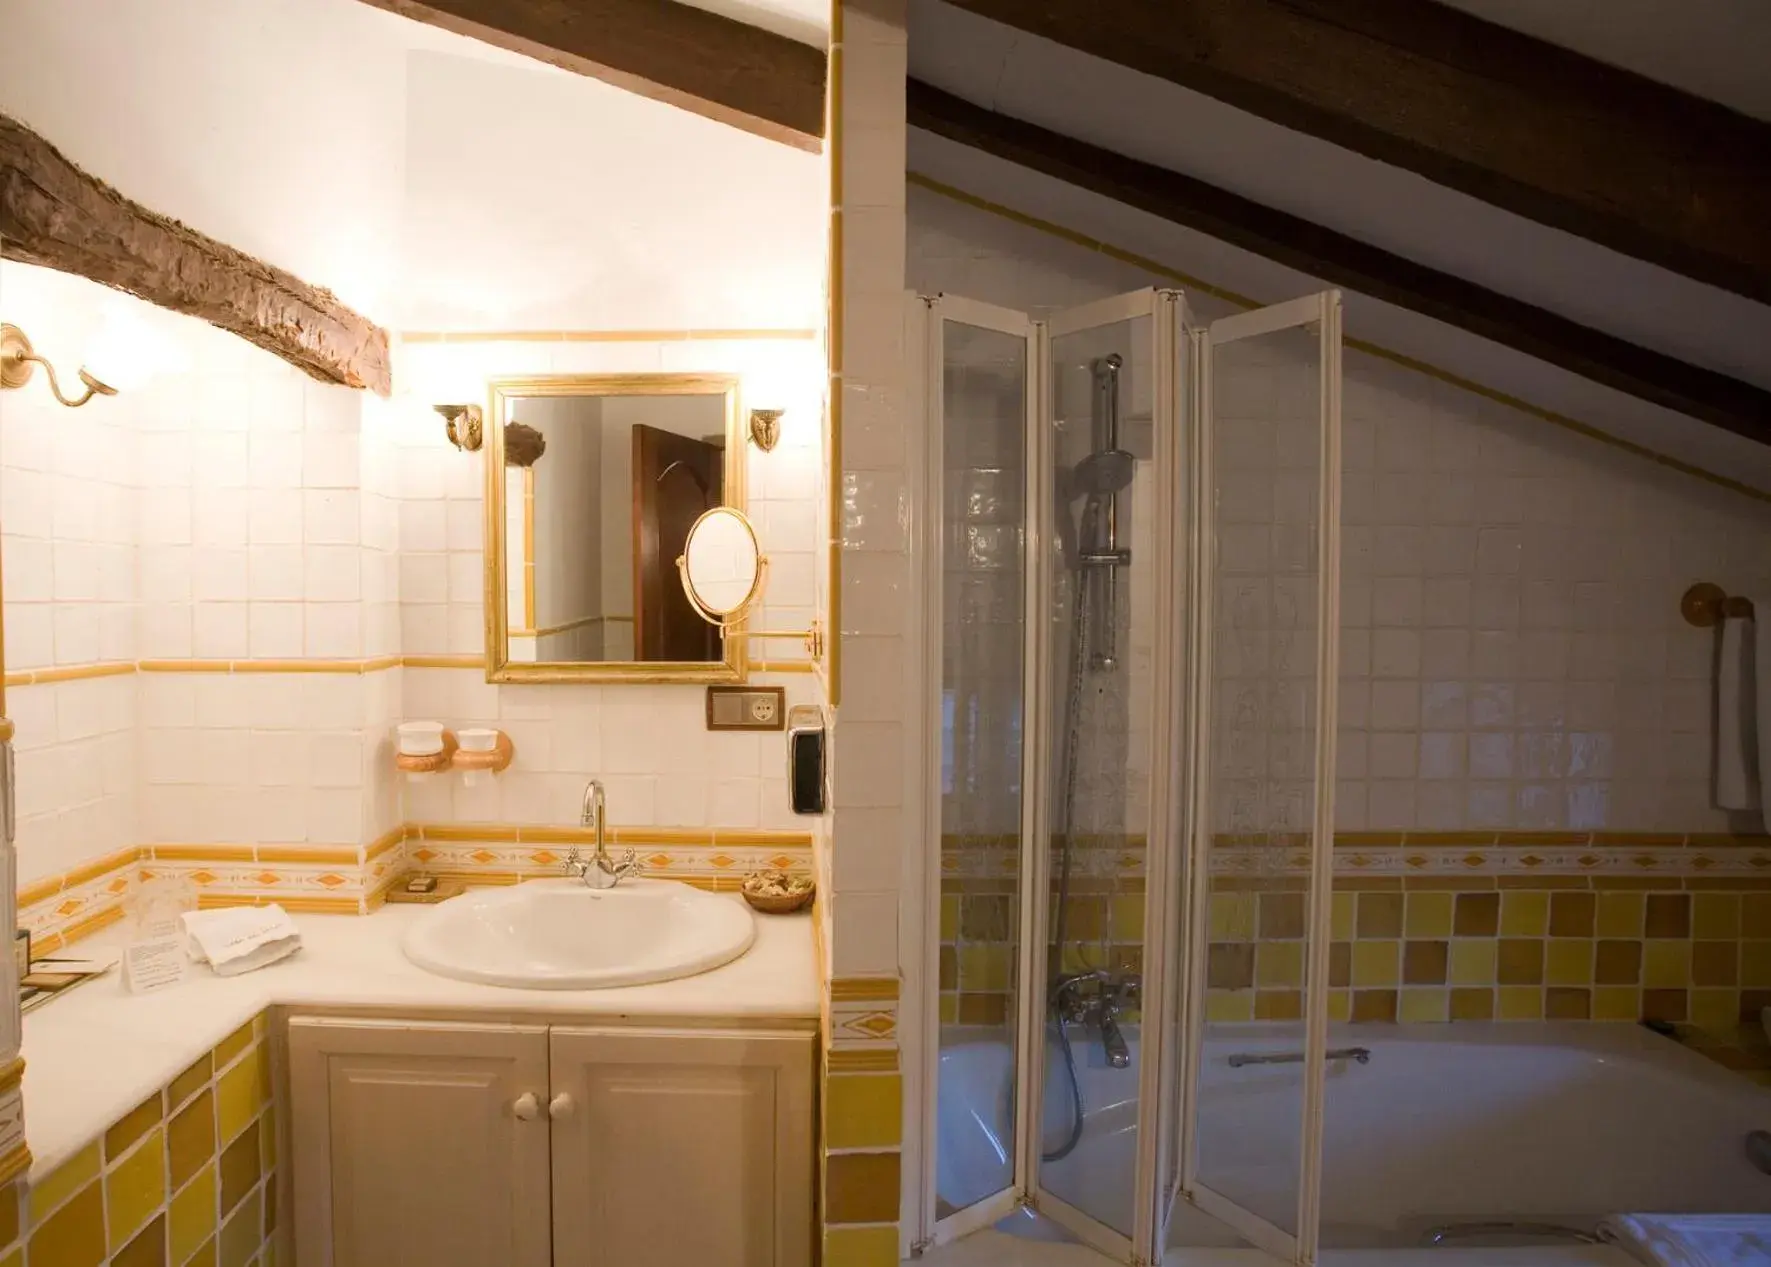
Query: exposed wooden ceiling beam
{"type": "Point", "coordinates": [1599, 152]}
{"type": "Point", "coordinates": [54, 214]}
{"type": "Point", "coordinates": [715, 66]}
{"type": "Point", "coordinates": [1343, 261]}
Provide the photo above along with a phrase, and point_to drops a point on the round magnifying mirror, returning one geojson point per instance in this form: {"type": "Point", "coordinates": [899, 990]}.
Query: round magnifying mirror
{"type": "Point", "coordinates": [722, 565]}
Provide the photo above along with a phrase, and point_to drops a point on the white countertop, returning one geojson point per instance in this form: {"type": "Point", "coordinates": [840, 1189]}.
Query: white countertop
{"type": "Point", "coordinates": [99, 1051]}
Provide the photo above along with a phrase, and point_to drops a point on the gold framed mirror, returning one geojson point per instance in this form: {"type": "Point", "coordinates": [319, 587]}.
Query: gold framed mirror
{"type": "Point", "coordinates": [593, 483]}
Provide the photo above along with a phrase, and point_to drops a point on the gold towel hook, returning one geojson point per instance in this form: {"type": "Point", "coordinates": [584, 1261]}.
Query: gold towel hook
{"type": "Point", "coordinates": [1707, 604]}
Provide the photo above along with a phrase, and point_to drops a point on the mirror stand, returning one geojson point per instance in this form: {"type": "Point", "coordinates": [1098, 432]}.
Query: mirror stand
{"type": "Point", "coordinates": [813, 638]}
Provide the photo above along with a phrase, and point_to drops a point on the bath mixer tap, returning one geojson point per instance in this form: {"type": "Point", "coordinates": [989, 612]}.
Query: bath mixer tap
{"type": "Point", "coordinates": [602, 870]}
{"type": "Point", "coordinates": [1096, 997]}
{"type": "Point", "coordinates": [1112, 1041]}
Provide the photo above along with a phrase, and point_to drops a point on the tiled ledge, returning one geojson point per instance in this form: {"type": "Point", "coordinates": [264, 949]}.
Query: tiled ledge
{"type": "Point", "coordinates": [353, 879]}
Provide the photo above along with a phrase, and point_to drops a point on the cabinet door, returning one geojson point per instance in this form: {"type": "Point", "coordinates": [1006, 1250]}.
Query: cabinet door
{"type": "Point", "coordinates": [419, 1144]}
{"type": "Point", "coordinates": [682, 1148]}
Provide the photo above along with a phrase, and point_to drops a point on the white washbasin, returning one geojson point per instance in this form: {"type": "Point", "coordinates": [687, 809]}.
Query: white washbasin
{"type": "Point", "coordinates": [561, 935]}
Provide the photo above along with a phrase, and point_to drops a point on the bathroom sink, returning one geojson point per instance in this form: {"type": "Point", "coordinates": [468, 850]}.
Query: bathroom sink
{"type": "Point", "coordinates": [561, 935]}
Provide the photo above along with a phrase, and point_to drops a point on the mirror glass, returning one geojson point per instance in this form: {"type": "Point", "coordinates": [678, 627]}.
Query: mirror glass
{"type": "Point", "coordinates": [722, 564]}
{"type": "Point", "coordinates": [596, 481]}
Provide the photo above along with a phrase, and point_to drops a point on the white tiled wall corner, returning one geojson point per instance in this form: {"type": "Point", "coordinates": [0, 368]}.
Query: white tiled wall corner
{"type": "Point", "coordinates": [1512, 653]}
{"type": "Point", "coordinates": [219, 512]}
{"type": "Point", "coordinates": [868, 827]}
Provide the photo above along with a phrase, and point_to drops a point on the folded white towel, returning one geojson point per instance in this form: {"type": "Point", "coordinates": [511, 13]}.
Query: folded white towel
{"type": "Point", "coordinates": [1692, 1240]}
{"type": "Point", "coordinates": [1737, 730]}
{"type": "Point", "coordinates": [237, 939]}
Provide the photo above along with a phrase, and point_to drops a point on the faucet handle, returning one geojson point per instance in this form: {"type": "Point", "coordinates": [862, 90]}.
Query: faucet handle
{"type": "Point", "coordinates": [574, 864]}
{"type": "Point", "coordinates": [628, 864]}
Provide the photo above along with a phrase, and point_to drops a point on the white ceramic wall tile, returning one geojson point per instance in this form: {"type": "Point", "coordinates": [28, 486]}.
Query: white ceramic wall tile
{"type": "Point", "coordinates": [1509, 590]}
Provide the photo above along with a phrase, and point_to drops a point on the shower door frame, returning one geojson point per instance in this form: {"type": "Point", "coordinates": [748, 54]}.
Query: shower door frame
{"type": "Point", "coordinates": [1178, 834]}
{"type": "Point", "coordinates": [1029, 1005]}
{"type": "Point", "coordinates": [1166, 311]}
{"type": "Point", "coordinates": [1322, 311]}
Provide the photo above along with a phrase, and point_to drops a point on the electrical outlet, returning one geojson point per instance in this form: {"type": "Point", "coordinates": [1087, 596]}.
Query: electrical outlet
{"type": "Point", "coordinates": [746, 708]}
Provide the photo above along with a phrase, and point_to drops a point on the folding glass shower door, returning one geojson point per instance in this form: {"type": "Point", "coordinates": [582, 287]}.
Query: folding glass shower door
{"type": "Point", "coordinates": [978, 545]}
{"type": "Point", "coordinates": [1128, 534]}
{"type": "Point", "coordinates": [1266, 665]}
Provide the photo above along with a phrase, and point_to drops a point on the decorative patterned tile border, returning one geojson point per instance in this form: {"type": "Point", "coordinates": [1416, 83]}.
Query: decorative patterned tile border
{"type": "Point", "coordinates": [353, 879]}
{"type": "Point", "coordinates": [863, 1017]}
{"type": "Point", "coordinates": [1657, 854]}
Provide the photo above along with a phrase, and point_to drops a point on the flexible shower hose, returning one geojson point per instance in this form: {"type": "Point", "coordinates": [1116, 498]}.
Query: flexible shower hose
{"type": "Point", "coordinates": [1072, 736]}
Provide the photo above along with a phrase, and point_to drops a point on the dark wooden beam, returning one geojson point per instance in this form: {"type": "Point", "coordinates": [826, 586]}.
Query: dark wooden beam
{"type": "Point", "coordinates": [1343, 261]}
{"type": "Point", "coordinates": [715, 66]}
{"type": "Point", "coordinates": [1543, 132]}
{"type": "Point", "coordinates": [54, 214]}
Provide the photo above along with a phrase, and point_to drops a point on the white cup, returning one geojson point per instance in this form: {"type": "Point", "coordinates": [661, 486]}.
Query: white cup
{"type": "Point", "coordinates": [421, 738]}
{"type": "Point", "coordinates": [477, 739]}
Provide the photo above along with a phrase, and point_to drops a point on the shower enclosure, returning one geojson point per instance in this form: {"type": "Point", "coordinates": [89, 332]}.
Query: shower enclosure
{"type": "Point", "coordinates": [1129, 528]}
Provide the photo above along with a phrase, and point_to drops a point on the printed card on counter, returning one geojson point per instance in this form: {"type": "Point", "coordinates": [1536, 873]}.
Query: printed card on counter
{"type": "Point", "coordinates": [155, 957]}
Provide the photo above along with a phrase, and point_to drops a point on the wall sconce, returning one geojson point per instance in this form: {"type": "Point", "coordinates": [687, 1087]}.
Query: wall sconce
{"type": "Point", "coordinates": [765, 428]}
{"type": "Point", "coordinates": [118, 360]}
{"type": "Point", "coordinates": [463, 425]}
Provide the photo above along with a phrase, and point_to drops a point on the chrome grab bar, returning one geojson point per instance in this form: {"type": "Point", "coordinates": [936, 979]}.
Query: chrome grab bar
{"type": "Point", "coordinates": [1535, 1231]}
{"type": "Point", "coordinates": [1361, 1054]}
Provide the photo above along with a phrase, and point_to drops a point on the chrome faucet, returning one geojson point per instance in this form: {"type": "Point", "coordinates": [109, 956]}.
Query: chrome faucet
{"type": "Point", "coordinates": [602, 870]}
{"type": "Point", "coordinates": [1096, 997]}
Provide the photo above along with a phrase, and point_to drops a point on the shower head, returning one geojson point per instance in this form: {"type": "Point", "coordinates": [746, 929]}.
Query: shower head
{"type": "Point", "coordinates": [1102, 473]}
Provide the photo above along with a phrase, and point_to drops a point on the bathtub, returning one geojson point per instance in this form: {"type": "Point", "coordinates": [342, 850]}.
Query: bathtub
{"type": "Point", "coordinates": [1560, 1122]}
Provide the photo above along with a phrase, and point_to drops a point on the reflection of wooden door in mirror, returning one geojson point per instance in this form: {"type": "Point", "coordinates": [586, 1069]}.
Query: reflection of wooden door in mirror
{"type": "Point", "coordinates": [675, 480]}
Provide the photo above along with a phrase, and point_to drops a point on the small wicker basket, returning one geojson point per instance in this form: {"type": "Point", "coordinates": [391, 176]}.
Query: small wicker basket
{"type": "Point", "coordinates": [764, 892]}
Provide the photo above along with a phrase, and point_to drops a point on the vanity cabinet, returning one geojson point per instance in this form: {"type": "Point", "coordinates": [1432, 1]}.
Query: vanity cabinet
{"type": "Point", "coordinates": [466, 1144]}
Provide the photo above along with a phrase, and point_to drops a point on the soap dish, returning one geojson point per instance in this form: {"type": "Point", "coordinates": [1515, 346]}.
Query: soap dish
{"type": "Point", "coordinates": [777, 892]}
{"type": "Point", "coordinates": [441, 890]}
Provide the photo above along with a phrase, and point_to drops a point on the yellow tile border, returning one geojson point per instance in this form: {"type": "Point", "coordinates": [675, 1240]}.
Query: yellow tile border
{"type": "Point", "coordinates": [1404, 361]}
{"type": "Point", "coordinates": [70, 673]}
{"type": "Point", "coordinates": [338, 854]}
{"type": "Point", "coordinates": [297, 904]}
{"type": "Point", "coordinates": [52, 942]}
{"type": "Point", "coordinates": [861, 1060]}
{"type": "Point", "coordinates": [443, 661]}
{"type": "Point", "coordinates": [198, 853]}
{"type": "Point", "coordinates": [388, 839]}
{"type": "Point", "coordinates": [760, 334]}
{"type": "Point", "coordinates": [856, 989]}
{"type": "Point", "coordinates": [341, 666]}
{"type": "Point", "coordinates": [15, 1163]}
{"type": "Point", "coordinates": [542, 834]}
{"type": "Point", "coordinates": [490, 833]}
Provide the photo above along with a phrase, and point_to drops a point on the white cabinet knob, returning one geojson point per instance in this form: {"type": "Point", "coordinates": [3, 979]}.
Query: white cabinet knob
{"type": "Point", "coordinates": [526, 1107]}
{"type": "Point", "coordinates": [560, 1106]}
